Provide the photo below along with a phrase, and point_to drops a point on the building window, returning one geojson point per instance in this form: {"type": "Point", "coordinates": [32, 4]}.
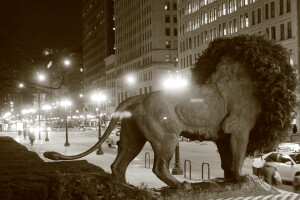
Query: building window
{"type": "Point", "coordinates": [273, 9]}
{"type": "Point", "coordinates": [168, 44]}
{"type": "Point", "coordinates": [167, 18]}
{"type": "Point", "coordinates": [167, 5]}
{"type": "Point", "coordinates": [205, 18]}
{"type": "Point", "coordinates": [224, 29]}
{"type": "Point", "coordinates": [288, 6]}
{"type": "Point", "coordinates": [273, 33]}
{"type": "Point", "coordinates": [267, 32]}
{"type": "Point", "coordinates": [145, 90]}
{"type": "Point", "coordinates": [224, 8]}
{"type": "Point", "coordinates": [282, 37]}
{"type": "Point", "coordinates": [281, 7]}
{"type": "Point", "coordinates": [253, 17]}
{"type": "Point", "coordinates": [174, 6]}
{"type": "Point", "coordinates": [241, 21]}
{"type": "Point", "coordinates": [167, 31]}
{"type": "Point", "coordinates": [289, 30]}
{"type": "Point", "coordinates": [235, 25]}
{"type": "Point", "coordinates": [258, 15]}
{"type": "Point", "coordinates": [246, 20]}
{"type": "Point", "coordinates": [266, 11]}
{"type": "Point", "coordinates": [206, 36]}
{"type": "Point", "coordinates": [175, 31]}
{"type": "Point", "coordinates": [241, 3]}
{"type": "Point", "coordinates": [175, 19]}
{"type": "Point", "coordinates": [168, 58]}
{"type": "Point", "coordinates": [220, 10]}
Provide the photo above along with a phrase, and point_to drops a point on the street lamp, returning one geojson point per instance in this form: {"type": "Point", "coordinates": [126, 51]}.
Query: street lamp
{"type": "Point", "coordinates": [99, 97]}
{"type": "Point", "coordinates": [175, 82]}
{"type": "Point", "coordinates": [41, 78]}
{"type": "Point", "coordinates": [66, 103]}
{"type": "Point", "coordinates": [46, 108]}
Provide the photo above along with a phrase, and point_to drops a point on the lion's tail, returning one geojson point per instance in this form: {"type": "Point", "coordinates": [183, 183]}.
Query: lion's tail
{"type": "Point", "coordinates": [119, 113]}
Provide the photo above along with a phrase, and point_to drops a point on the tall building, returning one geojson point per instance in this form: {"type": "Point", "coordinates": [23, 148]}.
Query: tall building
{"type": "Point", "coordinates": [146, 46]}
{"type": "Point", "coordinates": [201, 21]}
{"type": "Point", "coordinates": [98, 43]}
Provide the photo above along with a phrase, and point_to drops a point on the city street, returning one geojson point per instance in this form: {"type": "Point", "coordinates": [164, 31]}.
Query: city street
{"type": "Point", "coordinates": [195, 152]}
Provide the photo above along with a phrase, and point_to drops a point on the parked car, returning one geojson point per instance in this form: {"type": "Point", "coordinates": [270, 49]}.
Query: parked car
{"type": "Point", "coordinates": [288, 147]}
{"type": "Point", "coordinates": [286, 163]}
{"type": "Point", "coordinates": [113, 138]}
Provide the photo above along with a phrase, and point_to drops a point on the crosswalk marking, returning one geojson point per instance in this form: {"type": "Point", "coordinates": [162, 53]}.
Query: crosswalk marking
{"type": "Point", "coordinates": [268, 197]}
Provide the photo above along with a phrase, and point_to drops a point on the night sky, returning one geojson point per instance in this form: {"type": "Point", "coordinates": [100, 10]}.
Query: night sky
{"type": "Point", "coordinates": [28, 24]}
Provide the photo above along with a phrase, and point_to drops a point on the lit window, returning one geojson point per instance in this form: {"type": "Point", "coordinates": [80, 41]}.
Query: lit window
{"type": "Point", "coordinates": [224, 8]}
{"type": "Point", "coordinates": [168, 44]}
{"type": "Point", "coordinates": [167, 6]}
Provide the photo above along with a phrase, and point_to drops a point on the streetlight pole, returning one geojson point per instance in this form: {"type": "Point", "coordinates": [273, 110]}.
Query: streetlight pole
{"type": "Point", "coordinates": [41, 77]}
{"type": "Point", "coordinates": [99, 151]}
{"type": "Point", "coordinates": [46, 108]}
{"type": "Point", "coordinates": [177, 170]}
{"type": "Point", "coordinates": [67, 135]}
{"type": "Point", "coordinates": [39, 102]}
{"type": "Point", "coordinates": [66, 103]}
{"type": "Point", "coordinates": [99, 97]}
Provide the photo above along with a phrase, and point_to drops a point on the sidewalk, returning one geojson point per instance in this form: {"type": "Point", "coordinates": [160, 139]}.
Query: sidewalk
{"type": "Point", "coordinates": [136, 174]}
{"type": "Point", "coordinates": [14, 162]}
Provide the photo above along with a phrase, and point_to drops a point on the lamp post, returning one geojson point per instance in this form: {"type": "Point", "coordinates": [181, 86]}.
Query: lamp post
{"type": "Point", "coordinates": [46, 108]}
{"type": "Point", "coordinates": [99, 97]}
{"type": "Point", "coordinates": [41, 78]}
{"type": "Point", "coordinates": [176, 82]}
{"type": "Point", "coordinates": [66, 103]}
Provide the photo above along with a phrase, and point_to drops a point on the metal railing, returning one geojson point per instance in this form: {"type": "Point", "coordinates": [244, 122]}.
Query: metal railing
{"type": "Point", "coordinates": [208, 169]}
{"type": "Point", "coordinates": [190, 164]}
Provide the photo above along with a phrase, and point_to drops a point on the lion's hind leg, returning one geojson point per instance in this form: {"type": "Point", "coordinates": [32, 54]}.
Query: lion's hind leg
{"type": "Point", "coordinates": [163, 153]}
{"type": "Point", "coordinates": [129, 146]}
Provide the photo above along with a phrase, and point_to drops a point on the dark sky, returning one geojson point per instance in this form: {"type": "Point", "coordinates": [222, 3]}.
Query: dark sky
{"type": "Point", "coordinates": [40, 23]}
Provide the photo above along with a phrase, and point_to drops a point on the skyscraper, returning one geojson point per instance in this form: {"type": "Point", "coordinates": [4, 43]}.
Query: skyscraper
{"type": "Point", "coordinates": [146, 45]}
{"type": "Point", "coordinates": [97, 41]}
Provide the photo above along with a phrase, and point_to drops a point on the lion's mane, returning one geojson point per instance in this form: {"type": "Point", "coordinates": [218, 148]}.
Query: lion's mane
{"type": "Point", "coordinates": [268, 65]}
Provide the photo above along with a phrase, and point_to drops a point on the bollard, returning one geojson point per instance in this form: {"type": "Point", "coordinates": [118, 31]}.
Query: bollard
{"type": "Point", "coordinates": [207, 168]}
{"type": "Point", "coordinates": [185, 168]}
{"type": "Point", "coordinates": [147, 153]}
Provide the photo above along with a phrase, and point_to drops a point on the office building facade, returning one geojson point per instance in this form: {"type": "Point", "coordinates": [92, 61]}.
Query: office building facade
{"type": "Point", "coordinates": [145, 46]}
{"type": "Point", "coordinates": [98, 43]}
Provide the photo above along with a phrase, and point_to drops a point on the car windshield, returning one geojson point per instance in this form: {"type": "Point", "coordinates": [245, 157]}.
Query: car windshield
{"type": "Point", "coordinates": [296, 158]}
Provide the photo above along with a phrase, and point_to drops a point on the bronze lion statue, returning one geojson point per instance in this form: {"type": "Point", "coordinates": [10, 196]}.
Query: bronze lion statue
{"type": "Point", "coordinates": [242, 99]}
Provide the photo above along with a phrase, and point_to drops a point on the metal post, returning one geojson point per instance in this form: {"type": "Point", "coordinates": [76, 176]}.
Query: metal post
{"type": "Point", "coordinates": [187, 161]}
{"type": "Point", "coordinates": [67, 137]}
{"type": "Point", "coordinates": [47, 138]}
{"type": "Point", "coordinates": [147, 155]}
{"type": "Point", "coordinates": [177, 169]}
{"type": "Point", "coordinates": [208, 169]}
{"type": "Point", "coordinates": [39, 102]}
{"type": "Point", "coordinates": [99, 151]}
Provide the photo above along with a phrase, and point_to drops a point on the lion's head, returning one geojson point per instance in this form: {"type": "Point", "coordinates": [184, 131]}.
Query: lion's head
{"type": "Point", "coordinates": [268, 65]}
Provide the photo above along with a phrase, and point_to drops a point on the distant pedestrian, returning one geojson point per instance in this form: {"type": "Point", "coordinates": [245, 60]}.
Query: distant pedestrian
{"type": "Point", "coordinates": [31, 138]}
{"type": "Point", "coordinates": [270, 174]}
{"type": "Point", "coordinates": [295, 128]}
{"type": "Point", "coordinates": [19, 132]}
